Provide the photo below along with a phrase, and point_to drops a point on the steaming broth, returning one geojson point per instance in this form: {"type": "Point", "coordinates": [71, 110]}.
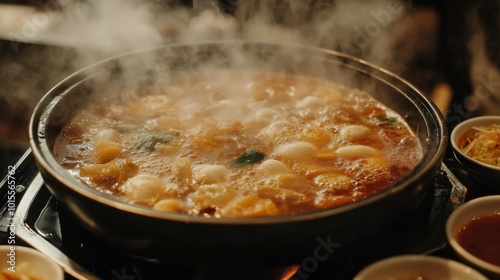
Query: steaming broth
{"type": "Point", "coordinates": [239, 144]}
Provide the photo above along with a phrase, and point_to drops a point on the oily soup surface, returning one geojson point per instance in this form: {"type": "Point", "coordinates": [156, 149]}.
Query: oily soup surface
{"type": "Point", "coordinates": [239, 144]}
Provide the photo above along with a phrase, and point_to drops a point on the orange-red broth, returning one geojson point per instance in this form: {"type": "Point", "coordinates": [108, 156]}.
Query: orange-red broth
{"type": "Point", "coordinates": [253, 144]}
{"type": "Point", "coordinates": [481, 237]}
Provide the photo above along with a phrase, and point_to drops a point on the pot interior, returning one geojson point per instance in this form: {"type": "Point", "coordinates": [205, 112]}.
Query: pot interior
{"type": "Point", "coordinates": [139, 71]}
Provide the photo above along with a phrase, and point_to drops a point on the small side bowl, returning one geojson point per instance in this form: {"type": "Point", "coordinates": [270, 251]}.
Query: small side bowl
{"type": "Point", "coordinates": [484, 172]}
{"type": "Point", "coordinates": [19, 258]}
{"type": "Point", "coordinates": [475, 208]}
{"type": "Point", "coordinates": [413, 266]}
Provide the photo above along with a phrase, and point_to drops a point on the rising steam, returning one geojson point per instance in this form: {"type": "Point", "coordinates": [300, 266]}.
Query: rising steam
{"type": "Point", "coordinates": [93, 29]}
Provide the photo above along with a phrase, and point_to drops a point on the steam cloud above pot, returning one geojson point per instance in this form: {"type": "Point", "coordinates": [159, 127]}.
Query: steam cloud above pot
{"type": "Point", "coordinates": [92, 30]}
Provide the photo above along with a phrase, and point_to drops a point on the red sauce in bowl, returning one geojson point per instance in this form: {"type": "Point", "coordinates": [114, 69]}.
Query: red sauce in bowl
{"type": "Point", "coordinates": [481, 237]}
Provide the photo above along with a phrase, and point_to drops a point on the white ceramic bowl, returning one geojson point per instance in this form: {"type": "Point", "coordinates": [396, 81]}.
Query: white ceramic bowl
{"type": "Point", "coordinates": [412, 266]}
{"type": "Point", "coordinates": [23, 258]}
{"type": "Point", "coordinates": [475, 208]}
{"type": "Point", "coordinates": [486, 173]}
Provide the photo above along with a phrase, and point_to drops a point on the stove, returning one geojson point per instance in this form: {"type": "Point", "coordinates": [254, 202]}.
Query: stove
{"type": "Point", "coordinates": [43, 223]}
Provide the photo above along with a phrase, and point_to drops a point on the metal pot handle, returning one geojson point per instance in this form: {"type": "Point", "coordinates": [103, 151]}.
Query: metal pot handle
{"type": "Point", "coordinates": [459, 191]}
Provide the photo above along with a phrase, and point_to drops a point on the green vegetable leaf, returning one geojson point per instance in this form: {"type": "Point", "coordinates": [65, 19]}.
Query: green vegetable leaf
{"type": "Point", "coordinates": [149, 141]}
{"type": "Point", "coordinates": [249, 157]}
{"type": "Point", "coordinates": [385, 120]}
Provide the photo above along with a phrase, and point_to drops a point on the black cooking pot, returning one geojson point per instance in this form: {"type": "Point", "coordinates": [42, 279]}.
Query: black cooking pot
{"type": "Point", "coordinates": [233, 242]}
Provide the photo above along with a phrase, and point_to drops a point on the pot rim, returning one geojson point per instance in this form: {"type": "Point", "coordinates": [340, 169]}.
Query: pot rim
{"type": "Point", "coordinates": [47, 162]}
